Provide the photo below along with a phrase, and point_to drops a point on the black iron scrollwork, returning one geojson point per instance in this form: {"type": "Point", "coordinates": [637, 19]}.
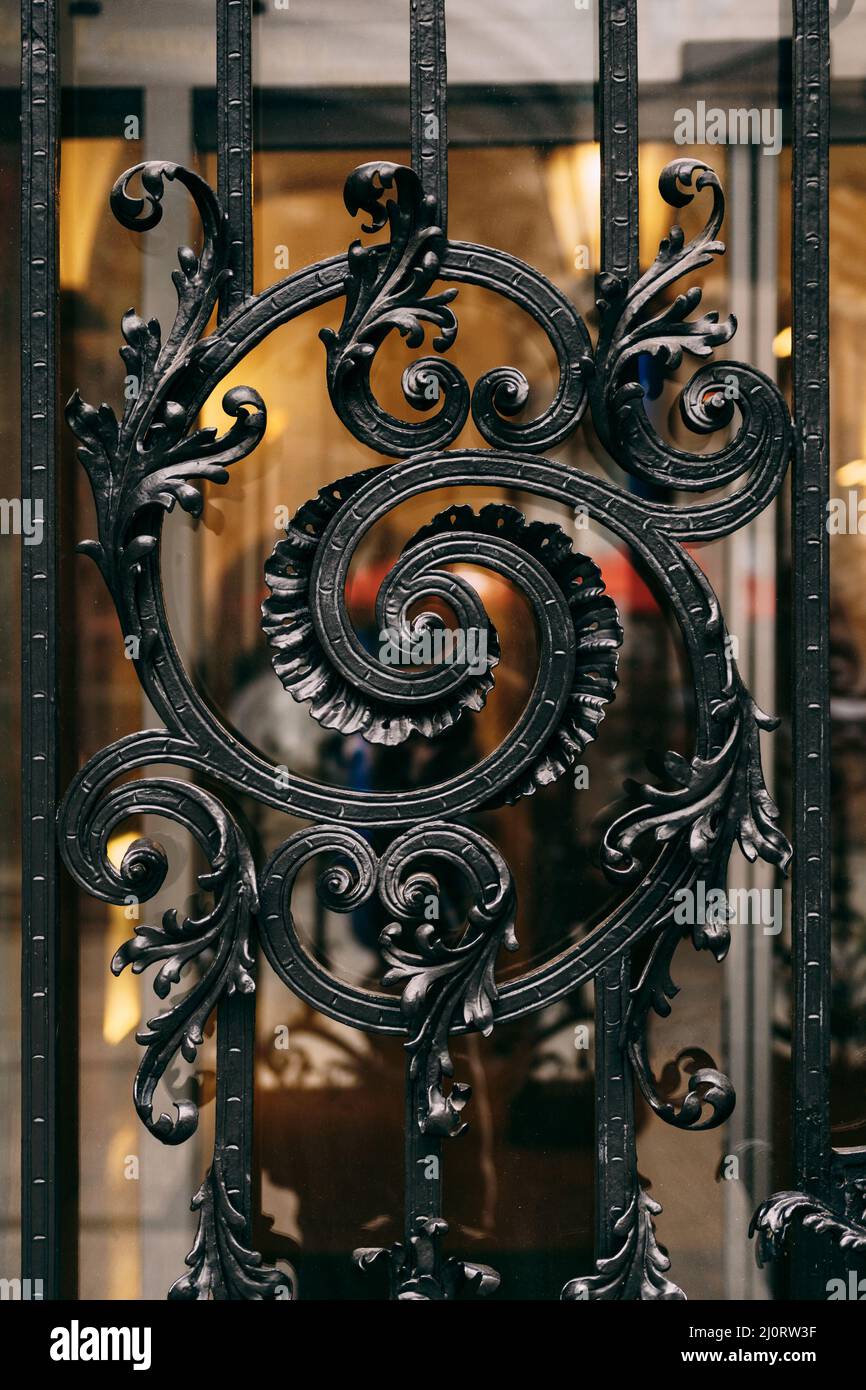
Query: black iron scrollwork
{"type": "Point", "coordinates": [387, 288]}
{"type": "Point", "coordinates": [149, 460]}
{"type": "Point", "coordinates": [717, 800]}
{"type": "Point", "coordinates": [709, 400]}
{"type": "Point", "coordinates": [222, 936]}
{"type": "Point", "coordinates": [443, 982]}
{"type": "Point", "coordinates": [319, 659]}
{"type": "Point", "coordinates": [154, 457]}
{"type": "Point", "coordinates": [775, 1219]}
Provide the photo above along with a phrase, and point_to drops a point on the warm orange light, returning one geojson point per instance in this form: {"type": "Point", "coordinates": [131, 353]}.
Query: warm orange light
{"type": "Point", "coordinates": [573, 180]}
{"type": "Point", "coordinates": [852, 474]}
{"type": "Point", "coordinates": [782, 343]}
{"type": "Point", "coordinates": [122, 1011]}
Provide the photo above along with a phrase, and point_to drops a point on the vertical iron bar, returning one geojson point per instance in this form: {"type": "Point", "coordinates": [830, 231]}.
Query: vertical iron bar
{"type": "Point", "coordinates": [616, 1162]}
{"type": "Point", "coordinates": [235, 143]}
{"type": "Point", "coordinates": [428, 81]}
{"type": "Point", "coordinates": [236, 1012]}
{"type": "Point", "coordinates": [40, 934]}
{"type": "Point", "coordinates": [811, 596]}
{"type": "Point", "coordinates": [428, 126]}
{"type": "Point", "coordinates": [423, 1160]}
{"type": "Point", "coordinates": [618, 135]}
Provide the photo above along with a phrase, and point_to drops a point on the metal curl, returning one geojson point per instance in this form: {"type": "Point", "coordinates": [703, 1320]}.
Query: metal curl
{"type": "Point", "coordinates": [711, 1097]}
{"type": "Point", "coordinates": [440, 980]}
{"type": "Point", "coordinates": [761, 446]}
{"type": "Point", "coordinates": [143, 869]}
{"type": "Point", "coordinates": [501, 395]}
{"type": "Point", "coordinates": [200, 276]}
{"type": "Point", "coordinates": [221, 937]}
{"type": "Point", "coordinates": [319, 658]}
{"type": "Point", "coordinates": [344, 885]}
{"type": "Point", "coordinates": [444, 984]}
{"type": "Point", "coordinates": [387, 288]}
{"type": "Point", "coordinates": [347, 688]}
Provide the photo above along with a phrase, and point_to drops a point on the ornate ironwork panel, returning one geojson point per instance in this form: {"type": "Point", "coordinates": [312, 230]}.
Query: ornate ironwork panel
{"type": "Point", "coordinates": [669, 834]}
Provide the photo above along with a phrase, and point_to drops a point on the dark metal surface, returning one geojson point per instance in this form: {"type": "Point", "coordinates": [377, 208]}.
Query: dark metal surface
{"type": "Point", "coordinates": [666, 837]}
{"type": "Point", "coordinates": [828, 1197]}
{"type": "Point", "coordinates": [616, 1175]}
{"type": "Point", "coordinates": [39, 735]}
{"type": "Point", "coordinates": [428, 106]}
{"type": "Point", "coordinates": [811, 579]}
{"type": "Point", "coordinates": [228, 1186]}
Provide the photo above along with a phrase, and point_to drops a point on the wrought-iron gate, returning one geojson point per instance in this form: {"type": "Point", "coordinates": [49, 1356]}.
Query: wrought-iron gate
{"type": "Point", "coordinates": [669, 838]}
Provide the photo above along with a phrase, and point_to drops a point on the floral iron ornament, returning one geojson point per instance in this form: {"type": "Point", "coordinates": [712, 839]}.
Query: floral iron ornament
{"type": "Point", "coordinates": [434, 985]}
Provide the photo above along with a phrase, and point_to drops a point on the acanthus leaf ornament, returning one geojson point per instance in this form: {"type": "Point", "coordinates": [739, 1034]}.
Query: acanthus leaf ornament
{"type": "Point", "coordinates": [775, 1218]}
{"type": "Point", "coordinates": [387, 288]}
{"type": "Point", "coordinates": [710, 399]}
{"type": "Point", "coordinates": [444, 981]}
{"type": "Point", "coordinates": [149, 460]}
{"type": "Point", "coordinates": [718, 800]}
{"type": "Point", "coordinates": [638, 1269]}
{"type": "Point", "coordinates": [220, 1265]}
{"type": "Point", "coordinates": [416, 1272]}
{"type": "Point", "coordinates": [221, 937]}
{"type": "Point", "coordinates": [441, 979]}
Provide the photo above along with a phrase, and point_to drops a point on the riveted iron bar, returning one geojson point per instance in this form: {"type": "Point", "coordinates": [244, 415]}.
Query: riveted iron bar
{"type": "Point", "coordinates": [811, 598]}
{"type": "Point", "coordinates": [236, 1012]}
{"type": "Point", "coordinates": [616, 1156]}
{"type": "Point", "coordinates": [428, 118]}
{"type": "Point", "coordinates": [235, 143]}
{"type": "Point", "coordinates": [618, 136]}
{"type": "Point", "coordinates": [616, 1161]}
{"type": "Point", "coordinates": [833, 1211]}
{"type": "Point", "coordinates": [40, 918]}
{"type": "Point", "coordinates": [423, 1164]}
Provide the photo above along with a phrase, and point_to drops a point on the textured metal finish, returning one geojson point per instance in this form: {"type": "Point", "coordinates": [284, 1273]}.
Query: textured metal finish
{"type": "Point", "coordinates": [811, 546]}
{"type": "Point", "coordinates": [666, 838]}
{"type": "Point", "coordinates": [235, 142]}
{"type": "Point", "coordinates": [428, 110]}
{"type": "Point", "coordinates": [618, 136]}
{"type": "Point", "coordinates": [229, 1184]}
{"type": "Point", "coordinates": [40, 945]}
{"type": "Point", "coordinates": [831, 1210]}
{"type": "Point", "coordinates": [616, 1173]}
